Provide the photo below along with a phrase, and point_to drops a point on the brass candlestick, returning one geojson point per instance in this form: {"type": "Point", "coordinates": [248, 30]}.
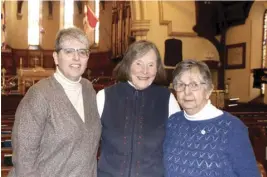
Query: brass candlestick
{"type": "Point", "coordinates": [20, 62]}
{"type": "Point", "coordinates": [3, 80]}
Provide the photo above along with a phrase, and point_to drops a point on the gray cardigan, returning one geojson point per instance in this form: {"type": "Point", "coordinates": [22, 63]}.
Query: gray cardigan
{"type": "Point", "coordinates": [49, 138]}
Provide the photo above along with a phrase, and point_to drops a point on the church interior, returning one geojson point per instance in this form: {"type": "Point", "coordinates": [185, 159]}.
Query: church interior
{"type": "Point", "coordinates": [229, 36]}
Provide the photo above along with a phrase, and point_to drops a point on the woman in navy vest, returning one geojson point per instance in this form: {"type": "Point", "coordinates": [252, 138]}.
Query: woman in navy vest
{"type": "Point", "coordinates": [133, 114]}
{"type": "Point", "coordinates": [203, 141]}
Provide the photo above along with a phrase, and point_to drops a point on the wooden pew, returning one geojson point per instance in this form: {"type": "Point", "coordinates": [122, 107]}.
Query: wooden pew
{"type": "Point", "coordinates": [6, 153]}
{"type": "Point", "coordinates": [5, 170]}
{"type": "Point", "coordinates": [6, 129]}
{"type": "Point", "coordinates": [257, 127]}
{"type": "Point", "coordinates": [6, 137]}
{"type": "Point", "coordinates": [8, 118]}
{"type": "Point", "coordinates": [8, 122]}
{"type": "Point", "coordinates": [5, 140]}
{"type": "Point", "coordinates": [6, 161]}
{"type": "Point", "coordinates": [250, 114]}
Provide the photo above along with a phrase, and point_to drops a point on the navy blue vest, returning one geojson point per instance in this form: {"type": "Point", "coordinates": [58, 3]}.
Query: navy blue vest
{"type": "Point", "coordinates": [133, 131]}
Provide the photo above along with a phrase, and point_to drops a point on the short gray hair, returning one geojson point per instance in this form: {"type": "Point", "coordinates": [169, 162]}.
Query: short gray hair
{"type": "Point", "coordinates": [187, 65]}
{"type": "Point", "coordinates": [70, 34]}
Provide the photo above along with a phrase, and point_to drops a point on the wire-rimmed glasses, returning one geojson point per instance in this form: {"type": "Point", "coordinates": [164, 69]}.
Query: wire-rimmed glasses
{"type": "Point", "coordinates": [193, 86]}
{"type": "Point", "coordinates": [84, 53]}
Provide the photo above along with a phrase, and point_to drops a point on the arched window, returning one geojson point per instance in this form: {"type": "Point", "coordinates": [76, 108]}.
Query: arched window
{"type": "Point", "coordinates": [97, 25]}
{"type": "Point", "coordinates": [33, 22]}
{"type": "Point", "coordinates": [264, 46]}
{"type": "Point", "coordinates": [68, 13]}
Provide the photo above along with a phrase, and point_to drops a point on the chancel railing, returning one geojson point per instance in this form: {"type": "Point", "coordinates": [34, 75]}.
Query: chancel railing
{"type": "Point", "coordinates": [29, 76]}
{"type": "Point", "coordinates": [24, 78]}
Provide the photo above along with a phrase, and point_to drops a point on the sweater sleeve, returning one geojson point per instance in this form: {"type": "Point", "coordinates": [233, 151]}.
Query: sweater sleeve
{"type": "Point", "coordinates": [241, 152]}
{"type": "Point", "coordinates": [27, 132]}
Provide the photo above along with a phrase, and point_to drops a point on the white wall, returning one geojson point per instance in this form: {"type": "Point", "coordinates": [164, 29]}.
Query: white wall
{"type": "Point", "coordinates": [251, 34]}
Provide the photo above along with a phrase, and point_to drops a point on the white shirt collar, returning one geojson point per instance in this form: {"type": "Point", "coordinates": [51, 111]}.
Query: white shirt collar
{"type": "Point", "coordinates": [131, 84]}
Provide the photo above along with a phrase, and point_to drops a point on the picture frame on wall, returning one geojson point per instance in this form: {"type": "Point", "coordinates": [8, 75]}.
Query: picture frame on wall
{"type": "Point", "coordinates": [236, 56]}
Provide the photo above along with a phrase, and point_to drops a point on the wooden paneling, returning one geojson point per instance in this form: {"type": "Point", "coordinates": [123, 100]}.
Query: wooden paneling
{"type": "Point", "coordinates": [20, 53]}
{"type": "Point", "coordinates": [99, 63]}
{"type": "Point", "coordinates": [8, 63]}
{"type": "Point", "coordinates": [48, 60]}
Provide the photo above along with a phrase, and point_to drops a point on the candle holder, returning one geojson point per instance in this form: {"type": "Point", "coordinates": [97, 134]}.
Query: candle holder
{"type": "Point", "coordinates": [3, 83]}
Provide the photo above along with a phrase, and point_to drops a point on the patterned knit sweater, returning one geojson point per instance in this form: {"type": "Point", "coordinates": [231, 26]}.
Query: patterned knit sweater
{"type": "Point", "coordinates": [217, 147]}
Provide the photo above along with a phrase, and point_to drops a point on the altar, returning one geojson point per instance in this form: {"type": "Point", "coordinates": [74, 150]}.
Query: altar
{"type": "Point", "coordinates": [29, 76]}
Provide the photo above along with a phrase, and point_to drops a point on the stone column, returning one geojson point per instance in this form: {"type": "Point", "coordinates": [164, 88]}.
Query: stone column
{"type": "Point", "coordinates": [140, 26]}
{"type": "Point", "coordinates": [140, 29]}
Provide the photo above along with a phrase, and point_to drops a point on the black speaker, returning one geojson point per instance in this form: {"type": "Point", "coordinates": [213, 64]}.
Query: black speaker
{"type": "Point", "coordinates": [173, 52]}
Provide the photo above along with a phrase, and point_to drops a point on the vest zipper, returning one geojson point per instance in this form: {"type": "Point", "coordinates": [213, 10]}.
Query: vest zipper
{"type": "Point", "coordinates": [133, 128]}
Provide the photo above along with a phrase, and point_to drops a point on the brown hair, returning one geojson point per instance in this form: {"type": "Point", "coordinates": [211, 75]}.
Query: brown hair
{"type": "Point", "coordinates": [135, 51]}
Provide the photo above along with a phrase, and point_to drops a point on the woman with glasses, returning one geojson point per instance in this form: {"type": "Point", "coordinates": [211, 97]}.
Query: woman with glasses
{"type": "Point", "coordinates": [133, 115]}
{"type": "Point", "coordinates": [57, 127]}
{"type": "Point", "coordinates": [201, 140]}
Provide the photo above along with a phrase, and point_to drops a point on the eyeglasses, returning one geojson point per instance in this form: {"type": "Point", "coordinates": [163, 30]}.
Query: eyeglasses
{"type": "Point", "coordinates": [193, 86]}
{"type": "Point", "coordinates": [70, 52]}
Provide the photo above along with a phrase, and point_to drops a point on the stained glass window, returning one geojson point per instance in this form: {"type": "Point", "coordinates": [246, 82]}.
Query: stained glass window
{"type": "Point", "coordinates": [68, 13]}
{"type": "Point", "coordinates": [33, 22]}
{"type": "Point", "coordinates": [264, 47]}
{"type": "Point", "coordinates": [97, 25]}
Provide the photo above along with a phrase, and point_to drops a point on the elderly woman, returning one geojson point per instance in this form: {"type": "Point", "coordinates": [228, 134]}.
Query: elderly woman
{"type": "Point", "coordinates": [133, 115]}
{"type": "Point", "coordinates": [201, 140]}
{"type": "Point", "coordinates": [57, 128]}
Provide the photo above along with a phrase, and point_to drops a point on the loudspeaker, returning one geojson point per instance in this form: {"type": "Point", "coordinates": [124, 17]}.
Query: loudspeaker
{"type": "Point", "coordinates": [173, 52]}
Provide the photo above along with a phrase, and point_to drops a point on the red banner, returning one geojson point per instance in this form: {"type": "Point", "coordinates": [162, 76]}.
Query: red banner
{"type": "Point", "coordinates": [91, 18]}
